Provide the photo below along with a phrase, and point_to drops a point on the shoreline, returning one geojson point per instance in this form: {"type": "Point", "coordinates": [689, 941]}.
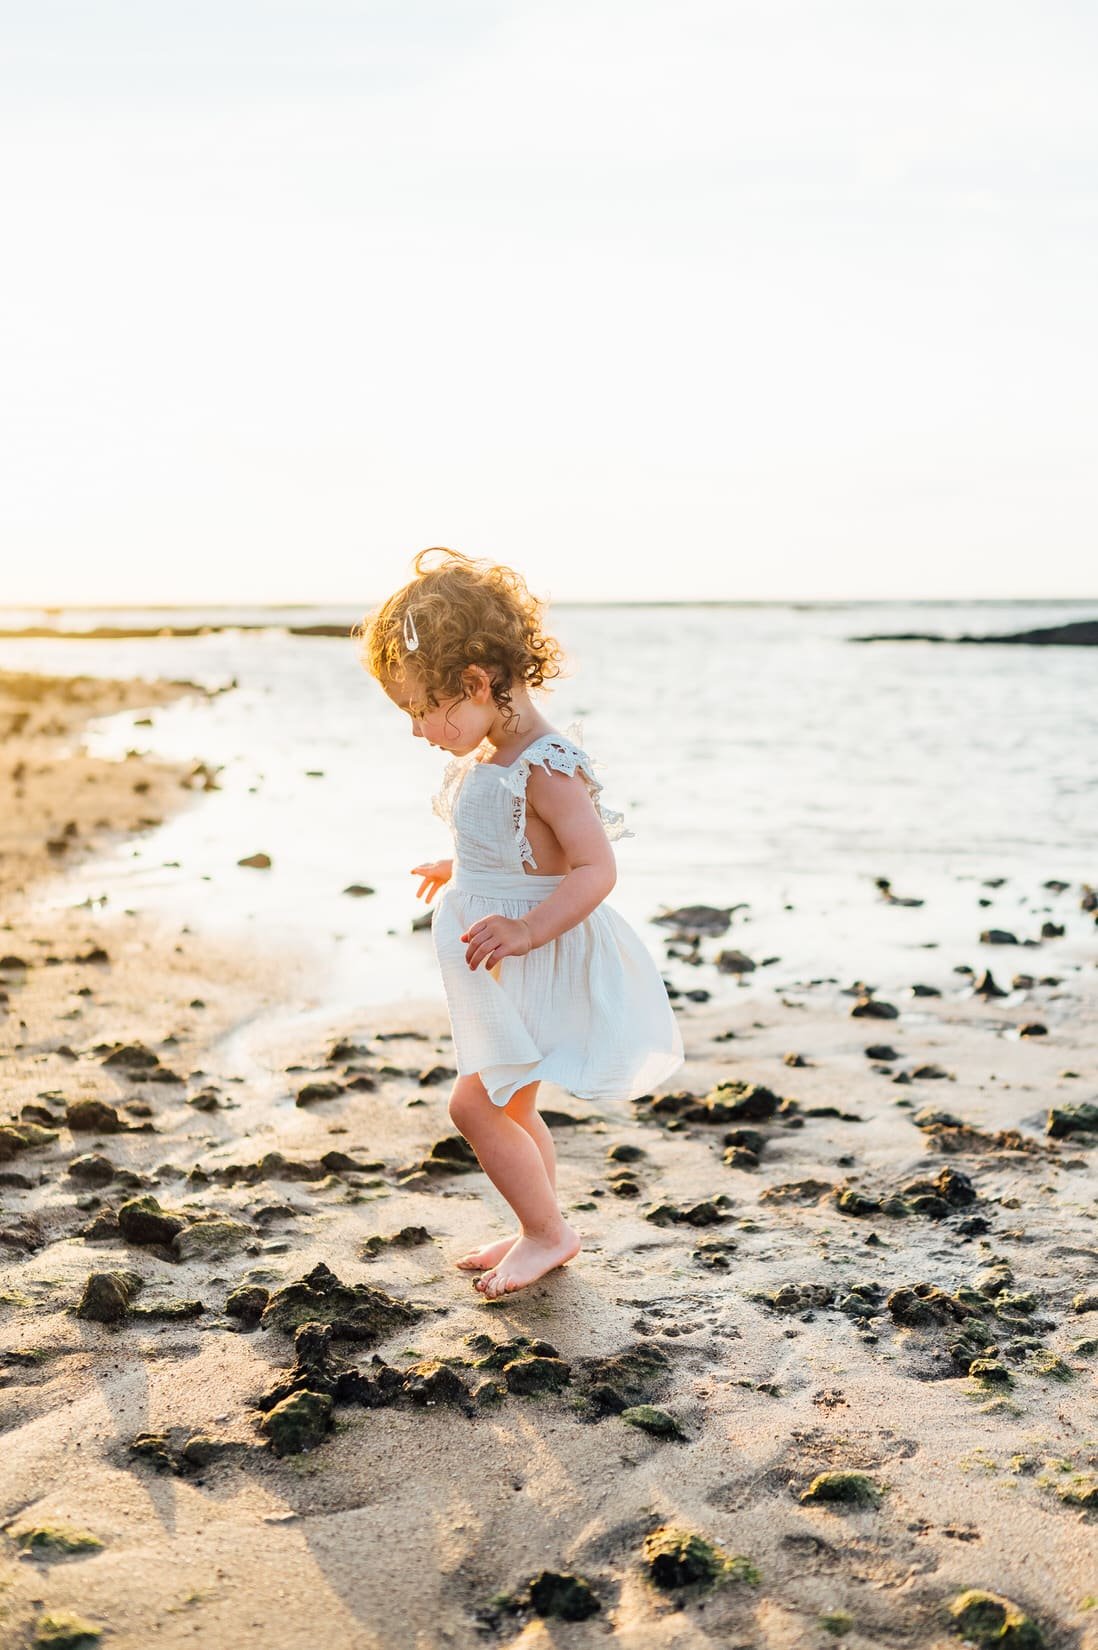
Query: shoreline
{"type": "Point", "coordinates": [762, 1323]}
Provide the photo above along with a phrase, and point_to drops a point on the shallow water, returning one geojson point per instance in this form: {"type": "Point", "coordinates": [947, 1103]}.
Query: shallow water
{"type": "Point", "coordinates": [760, 757]}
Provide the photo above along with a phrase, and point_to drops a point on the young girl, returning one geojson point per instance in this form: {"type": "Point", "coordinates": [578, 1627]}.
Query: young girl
{"type": "Point", "coordinates": [542, 980]}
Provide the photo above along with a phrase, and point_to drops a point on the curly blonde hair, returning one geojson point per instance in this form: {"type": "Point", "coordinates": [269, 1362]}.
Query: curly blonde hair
{"type": "Point", "coordinates": [465, 612]}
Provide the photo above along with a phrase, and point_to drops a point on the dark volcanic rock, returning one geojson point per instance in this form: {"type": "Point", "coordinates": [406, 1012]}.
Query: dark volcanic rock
{"type": "Point", "coordinates": [872, 1008]}
{"type": "Point", "coordinates": [132, 1057]}
{"type": "Point", "coordinates": [697, 919]}
{"type": "Point", "coordinates": [986, 986]}
{"type": "Point", "coordinates": [409, 1237]}
{"type": "Point", "coordinates": [709, 1211]}
{"type": "Point", "coordinates": [318, 1091]}
{"type": "Point", "coordinates": [94, 1117]}
{"type": "Point", "coordinates": [91, 1169]}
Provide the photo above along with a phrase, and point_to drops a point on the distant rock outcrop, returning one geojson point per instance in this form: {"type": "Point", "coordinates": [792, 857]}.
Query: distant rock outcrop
{"type": "Point", "coordinates": [1079, 633]}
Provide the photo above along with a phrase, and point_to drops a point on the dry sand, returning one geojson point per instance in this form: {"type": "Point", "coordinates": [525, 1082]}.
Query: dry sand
{"type": "Point", "coordinates": [420, 1520]}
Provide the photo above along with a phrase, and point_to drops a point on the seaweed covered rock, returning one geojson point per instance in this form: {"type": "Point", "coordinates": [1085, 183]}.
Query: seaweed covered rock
{"type": "Point", "coordinates": [316, 1368]}
{"type": "Point", "coordinates": [248, 1303]}
{"type": "Point", "coordinates": [675, 1557]}
{"type": "Point", "coordinates": [1067, 1120]}
{"type": "Point", "coordinates": [433, 1382]}
{"type": "Point", "coordinates": [622, 1380]}
{"type": "Point", "coordinates": [988, 1619]}
{"type": "Point", "coordinates": [925, 1303]}
{"type": "Point", "coordinates": [497, 1355]}
{"type": "Point", "coordinates": [141, 1220]}
{"type": "Point", "coordinates": [563, 1597]}
{"type": "Point", "coordinates": [65, 1630]}
{"type": "Point", "coordinates": [530, 1375]}
{"type": "Point", "coordinates": [799, 1297]}
{"type": "Point", "coordinates": [212, 1238]}
{"type": "Point", "coordinates": [656, 1421]}
{"type": "Point", "coordinates": [845, 1489]}
{"type": "Point", "coordinates": [300, 1422]}
{"type": "Point", "coordinates": [108, 1296]}
{"type": "Point", "coordinates": [355, 1312]}
{"type": "Point", "coordinates": [48, 1541]}
{"type": "Point", "coordinates": [23, 1137]}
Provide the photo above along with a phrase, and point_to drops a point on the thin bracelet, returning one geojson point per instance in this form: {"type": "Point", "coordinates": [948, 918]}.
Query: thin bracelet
{"type": "Point", "coordinates": [529, 935]}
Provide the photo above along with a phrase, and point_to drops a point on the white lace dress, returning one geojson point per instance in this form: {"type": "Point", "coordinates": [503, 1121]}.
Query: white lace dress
{"type": "Point", "coordinates": [587, 1011]}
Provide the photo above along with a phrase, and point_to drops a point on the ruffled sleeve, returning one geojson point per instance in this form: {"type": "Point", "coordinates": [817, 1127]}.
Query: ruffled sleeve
{"type": "Point", "coordinates": [558, 754]}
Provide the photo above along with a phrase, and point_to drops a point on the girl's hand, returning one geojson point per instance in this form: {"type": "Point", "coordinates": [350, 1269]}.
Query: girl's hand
{"type": "Point", "coordinates": [494, 938]}
{"type": "Point", "coordinates": [435, 874]}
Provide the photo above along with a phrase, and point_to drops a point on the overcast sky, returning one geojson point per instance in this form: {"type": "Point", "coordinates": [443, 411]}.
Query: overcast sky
{"type": "Point", "coordinates": [725, 298]}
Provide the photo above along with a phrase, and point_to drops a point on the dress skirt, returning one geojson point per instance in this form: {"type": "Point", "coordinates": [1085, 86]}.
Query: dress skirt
{"type": "Point", "coordinates": [588, 1011]}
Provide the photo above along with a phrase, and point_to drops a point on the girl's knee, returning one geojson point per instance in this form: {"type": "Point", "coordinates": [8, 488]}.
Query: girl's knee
{"type": "Point", "coordinates": [468, 1102]}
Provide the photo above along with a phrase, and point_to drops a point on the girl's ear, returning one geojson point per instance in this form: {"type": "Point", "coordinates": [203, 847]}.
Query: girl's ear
{"type": "Point", "coordinates": [476, 682]}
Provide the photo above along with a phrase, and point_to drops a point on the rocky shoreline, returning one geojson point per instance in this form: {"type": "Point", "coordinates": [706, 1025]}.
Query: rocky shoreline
{"type": "Point", "coordinates": [823, 1372]}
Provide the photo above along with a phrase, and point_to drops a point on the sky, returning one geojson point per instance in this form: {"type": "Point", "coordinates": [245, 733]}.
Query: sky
{"type": "Point", "coordinates": [727, 299]}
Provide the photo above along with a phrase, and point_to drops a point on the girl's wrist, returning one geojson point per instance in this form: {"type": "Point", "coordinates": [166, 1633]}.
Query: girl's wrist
{"type": "Point", "coordinates": [529, 934]}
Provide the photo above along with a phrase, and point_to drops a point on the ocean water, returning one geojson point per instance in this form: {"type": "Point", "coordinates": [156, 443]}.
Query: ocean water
{"type": "Point", "coordinates": [762, 759]}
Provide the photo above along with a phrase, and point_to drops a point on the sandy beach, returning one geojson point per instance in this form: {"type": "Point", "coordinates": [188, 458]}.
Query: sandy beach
{"type": "Point", "coordinates": [825, 1365]}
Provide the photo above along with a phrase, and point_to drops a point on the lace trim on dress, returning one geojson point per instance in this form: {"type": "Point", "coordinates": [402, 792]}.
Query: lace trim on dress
{"type": "Point", "coordinates": [563, 754]}
{"type": "Point", "coordinates": [442, 803]}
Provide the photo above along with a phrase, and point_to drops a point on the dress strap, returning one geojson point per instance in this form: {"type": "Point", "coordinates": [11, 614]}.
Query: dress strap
{"type": "Point", "coordinates": [560, 754]}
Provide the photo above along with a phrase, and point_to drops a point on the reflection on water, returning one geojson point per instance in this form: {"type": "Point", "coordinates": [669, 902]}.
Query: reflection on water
{"type": "Point", "coordinates": [758, 755]}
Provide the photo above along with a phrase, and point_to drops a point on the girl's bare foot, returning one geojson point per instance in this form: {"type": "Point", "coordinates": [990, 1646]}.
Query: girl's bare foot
{"type": "Point", "coordinates": [527, 1260]}
{"type": "Point", "coordinates": [478, 1259]}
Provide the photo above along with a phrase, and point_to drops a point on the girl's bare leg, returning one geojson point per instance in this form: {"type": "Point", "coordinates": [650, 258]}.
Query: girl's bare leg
{"type": "Point", "coordinates": [513, 1162]}
{"type": "Point", "coordinates": [522, 1106]}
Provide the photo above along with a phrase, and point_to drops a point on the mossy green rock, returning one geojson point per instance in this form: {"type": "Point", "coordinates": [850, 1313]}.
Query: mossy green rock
{"type": "Point", "coordinates": [55, 1541]}
{"type": "Point", "coordinates": [847, 1489]}
{"type": "Point", "coordinates": [990, 1372]}
{"type": "Point", "coordinates": [23, 1137]}
{"type": "Point", "coordinates": [650, 1419]}
{"type": "Point", "coordinates": [142, 1220]}
{"type": "Point", "coordinates": [563, 1596]}
{"type": "Point", "coordinates": [108, 1296]}
{"type": "Point", "coordinates": [61, 1630]}
{"type": "Point", "coordinates": [355, 1311]}
{"type": "Point", "coordinates": [988, 1619]}
{"type": "Point", "coordinates": [300, 1422]}
{"type": "Point", "coordinates": [248, 1303]}
{"type": "Point", "coordinates": [529, 1375]}
{"type": "Point", "coordinates": [1066, 1120]}
{"type": "Point", "coordinates": [1082, 1492]}
{"type": "Point", "coordinates": [212, 1239]}
{"type": "Point", "coordinates": [679, 1558]}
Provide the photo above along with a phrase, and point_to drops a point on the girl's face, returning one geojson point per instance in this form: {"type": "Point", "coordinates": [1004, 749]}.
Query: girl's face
{"type": "Point", "coordinates": [454, 725]}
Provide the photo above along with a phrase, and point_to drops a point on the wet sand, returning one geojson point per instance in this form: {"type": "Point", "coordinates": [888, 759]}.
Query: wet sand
{"type": "Point", "coordinates": [846, 1286]}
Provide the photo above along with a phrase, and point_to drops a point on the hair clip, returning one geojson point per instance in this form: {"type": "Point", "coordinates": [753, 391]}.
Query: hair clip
{"type": "Point", "coordinates": [411, 635]}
